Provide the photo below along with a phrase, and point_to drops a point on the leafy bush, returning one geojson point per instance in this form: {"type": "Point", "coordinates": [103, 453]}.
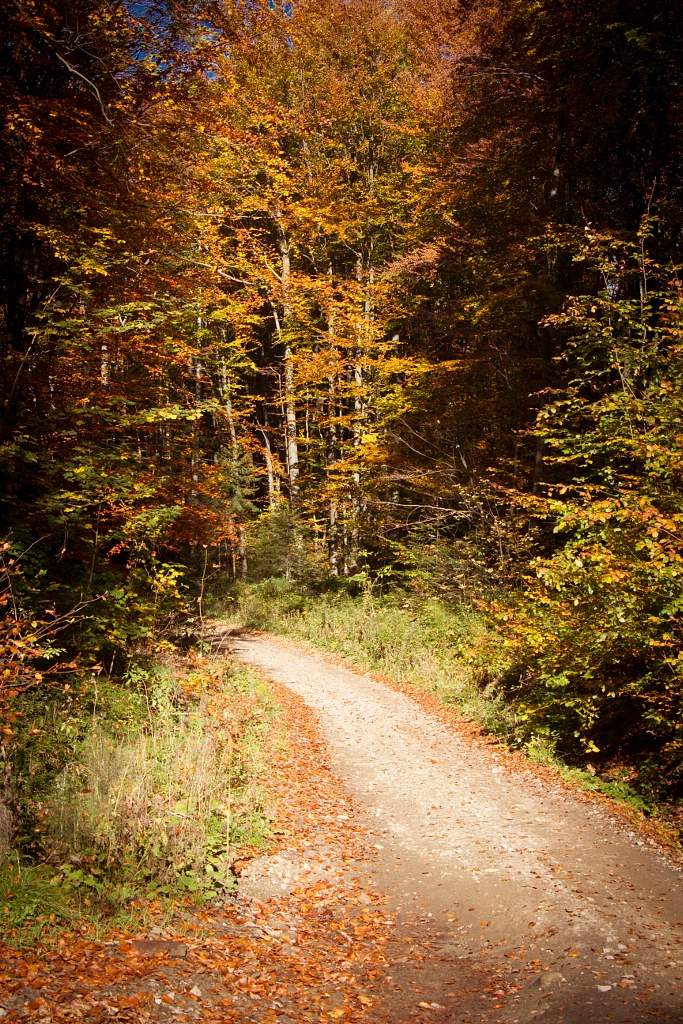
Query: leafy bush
{"type": "Point", "coordinates": [596, 639]}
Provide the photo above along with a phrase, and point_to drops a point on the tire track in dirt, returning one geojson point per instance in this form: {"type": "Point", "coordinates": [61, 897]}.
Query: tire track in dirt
{"type": "Point", "coordinates": [545, 891]}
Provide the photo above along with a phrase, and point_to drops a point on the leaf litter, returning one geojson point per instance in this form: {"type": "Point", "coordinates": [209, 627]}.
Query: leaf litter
{"type": "Point", "coordinates": [328, 949]}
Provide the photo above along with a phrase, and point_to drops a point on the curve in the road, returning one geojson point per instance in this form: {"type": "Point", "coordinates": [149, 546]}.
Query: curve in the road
{"type": "Point", "coordinates": [557, 882]}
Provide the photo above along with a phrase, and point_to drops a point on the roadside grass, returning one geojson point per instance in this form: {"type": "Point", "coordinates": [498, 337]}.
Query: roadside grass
{"type": "Point", "coordinates": [448, 650]}
{"type": "Point", "coordinates": [419, 642]}
{"type": "Point", "coordinates": [30, 899]}
{"type": "Point", "coordinates": [153, 806]}
{"type": "Point", "coordinates": [541, 750]}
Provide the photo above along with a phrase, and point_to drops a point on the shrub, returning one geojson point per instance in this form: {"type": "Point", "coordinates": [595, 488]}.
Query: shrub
{"type": "Point", "coordinates": [597, 635]}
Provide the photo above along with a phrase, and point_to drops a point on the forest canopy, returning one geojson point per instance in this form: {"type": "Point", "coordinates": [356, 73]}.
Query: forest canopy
{"type": "Point", "coordinates": [356, 294]}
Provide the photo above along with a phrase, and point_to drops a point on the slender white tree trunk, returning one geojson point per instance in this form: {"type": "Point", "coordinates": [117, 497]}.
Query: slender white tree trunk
{"type": "Point", "coordinates": [289, 396]}
{"type": "Point", "coordinates": [239, 527]}
{"type": "Point", "coordinates": [269, 470]}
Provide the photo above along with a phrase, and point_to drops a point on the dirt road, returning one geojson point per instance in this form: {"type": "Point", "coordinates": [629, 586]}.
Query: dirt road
{"type": "Point", "coordinates": [503, 871]}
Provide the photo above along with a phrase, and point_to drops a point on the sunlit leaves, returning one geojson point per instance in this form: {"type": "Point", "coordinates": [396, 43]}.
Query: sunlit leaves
{"type": "Point", "coordinates": [604, 612]}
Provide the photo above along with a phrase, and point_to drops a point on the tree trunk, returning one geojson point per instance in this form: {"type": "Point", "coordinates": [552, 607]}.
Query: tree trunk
{"type": "Point", "coordinates": [538, 464]}
{"type": "Point", "coordinates": [241, 535]}
{"type": "Point", "coordinates": [196, 370]}
{"type": "Point", "coordinates": [363, 339]}
{"type": "Point", "coordinates": [8, 808]}
{"type": "Point", "coordinates": [289, 395]}
{"type": "Point", "coordinates": [269, 470]}
{"type": "Point", "coordinates": [242, 550]}
{"type": "Point", "coordinates": [333, 542]}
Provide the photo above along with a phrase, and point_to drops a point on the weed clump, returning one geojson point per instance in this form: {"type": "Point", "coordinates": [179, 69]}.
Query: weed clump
{"type": "Point", "coordinates": [167, 803]}
{"type": "Point", "coordinates": [134, 793]}
{"type": "Point", "coordinates": [30, 898]}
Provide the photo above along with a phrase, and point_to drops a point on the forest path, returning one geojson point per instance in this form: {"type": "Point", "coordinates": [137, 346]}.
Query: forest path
{"type": "Point", "coordinates": [552, 890]}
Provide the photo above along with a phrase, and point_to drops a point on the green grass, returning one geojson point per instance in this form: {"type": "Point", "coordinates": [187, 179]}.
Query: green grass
{"type": "Point", "coordinates": [541, 750]}
{"type": "Point", "coordinates": [31, 900]}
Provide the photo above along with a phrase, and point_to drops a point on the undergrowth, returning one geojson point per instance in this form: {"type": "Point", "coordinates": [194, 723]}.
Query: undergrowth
{"type": "Point", "coordinates": [31, 898]}
{"type": "Point", "coordinates": [161, 788]}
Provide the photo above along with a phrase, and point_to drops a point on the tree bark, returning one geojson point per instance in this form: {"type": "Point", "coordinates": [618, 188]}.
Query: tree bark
{"type": "Point", "coordinates": [8, 807]}
{"type": "Point", "coordinates": [227, 400]}
{"type": "Point", "coordinates": [291, 439]}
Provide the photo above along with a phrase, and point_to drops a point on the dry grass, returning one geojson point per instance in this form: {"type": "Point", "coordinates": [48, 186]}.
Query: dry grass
{"type": "Point", "coordinates": [170, 800]}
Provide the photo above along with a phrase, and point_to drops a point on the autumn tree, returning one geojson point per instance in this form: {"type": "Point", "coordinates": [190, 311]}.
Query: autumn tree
{"type": "Point", "coordinates": [316, 290]}
{"type": "Point", "coordinates": [102, 482]}
{"type": "Point", "coordinates": [308, 188]}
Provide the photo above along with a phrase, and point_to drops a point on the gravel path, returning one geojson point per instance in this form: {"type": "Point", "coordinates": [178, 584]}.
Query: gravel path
{"type": "Point", "coordinates": [494, 861]}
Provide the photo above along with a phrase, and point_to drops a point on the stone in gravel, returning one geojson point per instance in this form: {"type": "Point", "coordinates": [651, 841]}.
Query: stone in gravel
{"type": "Point", "coordinates": [150, 947]}
{"type": "Point", "coordinates": [547, 981]}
